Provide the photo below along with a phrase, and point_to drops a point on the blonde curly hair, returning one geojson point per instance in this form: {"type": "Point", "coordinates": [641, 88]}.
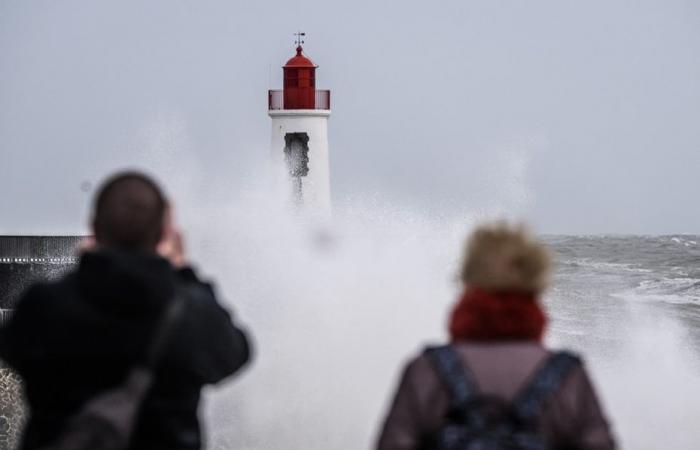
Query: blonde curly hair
{"type": "Point", "coordinates": [505, 258]}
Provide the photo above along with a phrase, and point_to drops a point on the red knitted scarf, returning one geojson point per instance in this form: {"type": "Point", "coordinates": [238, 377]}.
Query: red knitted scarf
{"type": "Point", "coordinates": [491, 316]}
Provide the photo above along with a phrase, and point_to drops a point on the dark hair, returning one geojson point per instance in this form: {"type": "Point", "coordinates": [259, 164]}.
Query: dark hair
{"type": "Point", "coordinates": [129, 212]}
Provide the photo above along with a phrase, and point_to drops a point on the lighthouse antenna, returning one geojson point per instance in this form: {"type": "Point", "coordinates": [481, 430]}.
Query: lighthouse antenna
{"type": "Point", "coordinates": [299, 35]}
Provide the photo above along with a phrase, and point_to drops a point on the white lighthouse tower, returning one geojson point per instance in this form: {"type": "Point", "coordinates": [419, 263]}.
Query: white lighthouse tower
{"type": "Point", "coordinates": [299, 116]}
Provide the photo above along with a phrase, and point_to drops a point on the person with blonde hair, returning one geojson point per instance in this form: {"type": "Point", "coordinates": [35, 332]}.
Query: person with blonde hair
{"type": "Point", "coordinates": [495, 385]}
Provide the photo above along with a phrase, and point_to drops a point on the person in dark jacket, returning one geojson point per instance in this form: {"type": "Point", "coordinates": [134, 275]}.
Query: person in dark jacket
{"type": "Point", "coordinates": [79, 336]}
{"type": "Point", "coordinates": [496, 329]}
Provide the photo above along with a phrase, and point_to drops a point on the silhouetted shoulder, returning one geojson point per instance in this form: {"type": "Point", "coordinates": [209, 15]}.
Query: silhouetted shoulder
{"type": "Point", "coordinates": [218, 345]}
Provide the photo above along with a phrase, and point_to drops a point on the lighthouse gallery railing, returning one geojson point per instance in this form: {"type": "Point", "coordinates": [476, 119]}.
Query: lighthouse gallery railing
{"type": "Point", "coordinates": [275, 99]}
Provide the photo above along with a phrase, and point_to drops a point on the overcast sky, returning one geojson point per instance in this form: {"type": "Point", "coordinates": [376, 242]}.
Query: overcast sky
{"type": "Point", "coordinates": [582, 116]}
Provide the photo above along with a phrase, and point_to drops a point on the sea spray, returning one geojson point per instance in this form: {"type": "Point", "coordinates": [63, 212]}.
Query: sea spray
{"type": "Point", "coordinates": [337, 306]}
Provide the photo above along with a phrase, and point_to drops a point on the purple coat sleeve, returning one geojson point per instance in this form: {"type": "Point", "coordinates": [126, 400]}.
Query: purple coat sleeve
{"type": "Point", "coordinates": [590, 428]}
{"type": "Point", "coordinates": [402, 427]}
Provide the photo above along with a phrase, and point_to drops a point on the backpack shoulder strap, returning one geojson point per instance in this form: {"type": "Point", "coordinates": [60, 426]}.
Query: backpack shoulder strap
{"type": "Point", "coordinates": [166, 323]}
{"type": "Point", "coordinates": [455, 376]}
{"type": "Point", "coordinates": [545, 382]}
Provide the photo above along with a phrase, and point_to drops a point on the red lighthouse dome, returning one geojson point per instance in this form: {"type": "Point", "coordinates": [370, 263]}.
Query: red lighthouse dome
{"type": "Point", "coordinates": [299, 60]}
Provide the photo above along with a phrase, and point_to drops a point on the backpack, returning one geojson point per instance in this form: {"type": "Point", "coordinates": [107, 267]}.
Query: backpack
{"type": "Point", "coordinates": [482, 422]}
{"type": "Point", "coordinates": [107, 421]}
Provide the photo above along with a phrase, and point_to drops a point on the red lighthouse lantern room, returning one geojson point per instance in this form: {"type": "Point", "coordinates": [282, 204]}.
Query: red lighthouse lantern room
{"type": "Point", "coordinates": [299, 82]}
{"type": "Point", "coordinates": [299, 85]}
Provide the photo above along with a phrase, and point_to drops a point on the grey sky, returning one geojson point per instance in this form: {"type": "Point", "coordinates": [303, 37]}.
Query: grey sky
{"type": "Point", "coordinates": [583, 116]}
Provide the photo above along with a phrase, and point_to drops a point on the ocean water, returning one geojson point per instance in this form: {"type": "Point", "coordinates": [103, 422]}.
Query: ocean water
{"type": "Point", "coordinates": [337, 308]}
{"type": "Point", "coordinates": [631, 306]}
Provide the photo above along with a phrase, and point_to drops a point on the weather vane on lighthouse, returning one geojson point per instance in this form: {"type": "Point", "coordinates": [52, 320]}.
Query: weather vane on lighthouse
{"type": "Point", "coordinates": [299, 40]}
{"type": "Point", "coordinates": [299, 114]}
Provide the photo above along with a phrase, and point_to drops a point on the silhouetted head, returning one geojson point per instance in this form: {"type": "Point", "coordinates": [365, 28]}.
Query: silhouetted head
{"type": "Point", "coordinates": [505, 258]}
{"type": "Point", "coordinates": [129, 212]}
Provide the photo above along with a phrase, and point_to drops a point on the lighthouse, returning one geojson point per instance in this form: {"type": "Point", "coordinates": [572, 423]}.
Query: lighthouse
{"type": "Point", "coordinates": [299, 143]}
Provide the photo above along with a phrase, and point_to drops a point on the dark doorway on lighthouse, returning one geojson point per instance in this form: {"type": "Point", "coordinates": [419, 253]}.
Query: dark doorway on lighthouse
{"type": "Point", "coordinates": [296, 155]}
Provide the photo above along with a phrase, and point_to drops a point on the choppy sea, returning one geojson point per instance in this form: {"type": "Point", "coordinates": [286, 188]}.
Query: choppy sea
{"type": "Point", "coordinates": [631, 306]}
{"type": "Point", "coordinates": [664, 269]}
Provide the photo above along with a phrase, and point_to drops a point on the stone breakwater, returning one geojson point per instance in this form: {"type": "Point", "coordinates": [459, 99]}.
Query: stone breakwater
{"type": "Point", "coordinates": [11, 408]}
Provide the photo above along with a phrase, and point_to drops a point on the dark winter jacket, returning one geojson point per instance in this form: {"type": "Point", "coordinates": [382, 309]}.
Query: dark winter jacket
{"type": "Point", "coordinates": [571, 419]}
{"type": "Point", "coordinates": [72, 339]}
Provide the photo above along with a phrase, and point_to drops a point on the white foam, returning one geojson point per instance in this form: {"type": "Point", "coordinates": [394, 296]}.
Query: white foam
{"type": "Point", "coordinates": [682, 290]}
{"type": "Point", "coordinates": [606, 266]}
{"type": "Point", "coordinates": [684, 241]}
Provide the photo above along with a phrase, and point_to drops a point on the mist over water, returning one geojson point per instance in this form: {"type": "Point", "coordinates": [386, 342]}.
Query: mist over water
{"type": "Point", "coordinates": [336, 307]}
